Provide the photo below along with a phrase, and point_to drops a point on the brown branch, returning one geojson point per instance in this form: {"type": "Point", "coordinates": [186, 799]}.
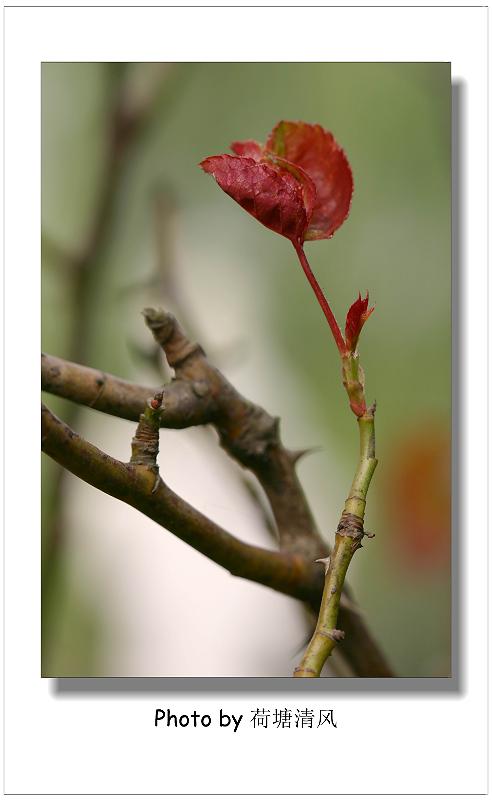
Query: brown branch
{"type": "Point", "coordinates": [201, 395]}
{"type": "Point", "coordinates": [185, 404]}
{"type": "Point", "coordinates": [289, 573]}
{"type": "Point", "coordinates": [135, 484]}
{"type": "Point", "coordinates": [248, 434]}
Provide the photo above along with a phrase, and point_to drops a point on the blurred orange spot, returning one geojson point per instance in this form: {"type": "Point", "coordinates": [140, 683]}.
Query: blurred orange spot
{"type": "Point", "coordinates": [418, 498]}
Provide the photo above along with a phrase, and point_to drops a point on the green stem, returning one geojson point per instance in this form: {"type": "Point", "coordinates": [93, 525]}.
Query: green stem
{"type": "Point", "coordinates": [348, 540]}
{"type": "Point", "coordinates": [356, 501]}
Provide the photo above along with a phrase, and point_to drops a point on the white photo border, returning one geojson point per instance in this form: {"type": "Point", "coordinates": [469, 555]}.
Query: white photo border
{"type": "Point", "coordinates": [408, 738]}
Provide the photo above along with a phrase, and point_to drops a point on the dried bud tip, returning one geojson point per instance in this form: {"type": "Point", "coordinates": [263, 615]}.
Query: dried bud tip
{"type": "Point", "coordinates": [158, 318]}
{"type": "Point", "coordinates": [156, 401]}
{"type": "Point", "coordinates": [153, 315]}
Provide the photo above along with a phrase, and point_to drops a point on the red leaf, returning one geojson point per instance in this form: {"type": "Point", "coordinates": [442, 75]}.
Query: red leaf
{"type": "Point", "coordinates": [357, 315]}
{"type": "Point", "coordinates": [304, 171]}
{"type": "Point", "coordinates": [275, 198]}
{"type": "Point", "coordinates": [308, 188]}
{"type": "Point", "coordinates": [249, 148]}
{"type": "Point", "coordinates": [315, 150]}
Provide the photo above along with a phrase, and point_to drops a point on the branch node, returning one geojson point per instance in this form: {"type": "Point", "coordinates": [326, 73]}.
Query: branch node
{"type": "Point", "coordinates": [334, 634]}
{"type": "Point", "coordinates": [353, 526]}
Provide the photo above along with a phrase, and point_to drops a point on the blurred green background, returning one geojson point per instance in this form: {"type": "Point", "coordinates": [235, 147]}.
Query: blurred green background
{"type": "Point", "coordinates": [128, 220]}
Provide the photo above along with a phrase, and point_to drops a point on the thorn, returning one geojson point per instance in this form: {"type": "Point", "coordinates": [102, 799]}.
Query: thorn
{"type": "Point", "coordinates": [326, 562]}
{"type": "Point", "coordinates": [156, 483]}
{"type": "Point", "coordinates": [296, 455]}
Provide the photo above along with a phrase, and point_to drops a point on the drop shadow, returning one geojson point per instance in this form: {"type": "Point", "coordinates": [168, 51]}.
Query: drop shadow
{"type": "Point", "coordinates": [370, 686]}
{"type": "Point", "coordinates": [458, 412]}
{"type": "Point", "coordinates": [252, 686]}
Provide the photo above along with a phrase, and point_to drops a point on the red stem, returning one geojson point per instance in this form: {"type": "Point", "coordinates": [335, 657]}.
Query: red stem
{"type": "Point", "coordinates": [325, 306]}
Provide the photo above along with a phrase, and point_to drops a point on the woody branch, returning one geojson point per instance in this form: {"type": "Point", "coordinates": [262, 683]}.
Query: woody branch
{"type": "Point", "coordinates": [201, 395]}
{"type": "Point", "coordinates": [138, 484]}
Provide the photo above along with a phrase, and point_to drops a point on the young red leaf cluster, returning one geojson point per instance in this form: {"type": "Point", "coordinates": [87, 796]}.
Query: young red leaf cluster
{"type": "Point", "coordinates": [357, 315]}
{"type": "Point", "coordinates": [298, 184]}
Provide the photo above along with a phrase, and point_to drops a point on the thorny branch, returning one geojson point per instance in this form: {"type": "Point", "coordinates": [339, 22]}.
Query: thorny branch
{"type": "Point", "coordinates": [246, 432]}
{"type": "Point", "coordinates": [135, 484]}
{"type": "Point", "coordinates": [201, 395]}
